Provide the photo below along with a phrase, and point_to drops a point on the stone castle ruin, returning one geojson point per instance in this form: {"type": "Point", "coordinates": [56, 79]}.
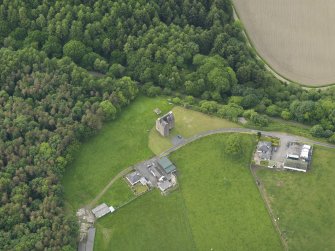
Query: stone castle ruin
{"type": "Point", "coordinates": [165, 123]}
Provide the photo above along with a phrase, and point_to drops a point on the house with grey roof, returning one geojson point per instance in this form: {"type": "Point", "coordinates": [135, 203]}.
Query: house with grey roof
{"type": "Point", "coordinates": [264, 150]}
{"type": "Point", "coordinates": [133, 178]}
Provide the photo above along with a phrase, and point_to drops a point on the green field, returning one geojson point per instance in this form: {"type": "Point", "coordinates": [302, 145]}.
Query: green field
{"type": "Point", "coordinates": [305, 202]}
{"type": "Point", "coordinates": [188, 123]}
{"type": "Point", "coordinates": [217, 206]}
{"type": "Point", "coordinates": [119, 144]}
{"type": "Point", "coordinates": [118, 194]}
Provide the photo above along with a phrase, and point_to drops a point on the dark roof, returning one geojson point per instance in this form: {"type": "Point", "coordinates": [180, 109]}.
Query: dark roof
{"type": "Point", "coordinates": [298, 164]}
{"type": "Point", "coordinates": [167, 165]}
{"type": "Point", "coordinates": [264, 146]}
{"type": "Point", "coordinates": [133, 177]}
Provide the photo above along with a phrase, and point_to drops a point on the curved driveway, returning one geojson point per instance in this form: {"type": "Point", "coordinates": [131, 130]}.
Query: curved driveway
{"type": "Point", "coordinates": [284, 138]}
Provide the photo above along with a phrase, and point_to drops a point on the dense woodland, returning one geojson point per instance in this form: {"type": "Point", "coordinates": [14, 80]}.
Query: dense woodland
{"type": "Point", "coordinates": [49, 101]}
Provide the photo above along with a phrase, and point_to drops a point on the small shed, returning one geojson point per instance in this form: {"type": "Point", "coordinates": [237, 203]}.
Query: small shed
{"type": "Point", "coordinates": [101, 210]}
{"type": "Point", "coordinates": [112, 209]}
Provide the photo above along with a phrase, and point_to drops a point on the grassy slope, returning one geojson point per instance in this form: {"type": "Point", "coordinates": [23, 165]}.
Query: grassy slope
{"type": "Point", "coordinates": [151, 222]}
{"type": "Point", "coordinates": [118, 194]}
{"type": "Point", "coordinates": [218, 206]}
{"type": "Point", "coordinates": [305, 202]}
{"type": "Point", "coordinates": [118, 145]}
{"type": "Point", "coordinates": [225, 209]}
{"type": "Point", "coordinates": [188, 123]}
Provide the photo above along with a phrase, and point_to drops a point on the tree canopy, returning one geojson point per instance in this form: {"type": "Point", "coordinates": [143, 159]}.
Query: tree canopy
{"type": "Point", "coordinates": [49, 101]}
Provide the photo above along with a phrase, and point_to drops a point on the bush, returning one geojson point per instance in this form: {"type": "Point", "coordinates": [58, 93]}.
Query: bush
{"type": "Point", "coordinates": [154, 91]}
{"type": "Point", "coordinates": [317, 131]}
{"type": "Point", "coordinates": [233, 145]}
{"type": "Point", "coordinates": [259, 120]}
{"type": "Point", "coordinates": [209, 106]}
{"type": "Point", "coordinates": [189, 100]}
{"type": "Point", "coordinates": [332, 139]}
{"type": "Point", "coordinates": [273, 111]}
{"type": "Point", "coordinates": [286, 115]}
{"type": "Point", "coordinates": [231, 111]}
{"type": "Point", "coordinates": [176, 100]}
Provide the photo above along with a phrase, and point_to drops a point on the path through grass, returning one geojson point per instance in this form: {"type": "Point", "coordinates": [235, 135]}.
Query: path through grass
{"type": "Point", "coordinates": [216, 207]}
{"type": "Point", "coordinates": [119, 144]}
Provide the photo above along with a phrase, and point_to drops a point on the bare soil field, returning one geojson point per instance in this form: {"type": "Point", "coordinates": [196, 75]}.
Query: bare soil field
{"type": "Point", "coordinates": [296, 38]}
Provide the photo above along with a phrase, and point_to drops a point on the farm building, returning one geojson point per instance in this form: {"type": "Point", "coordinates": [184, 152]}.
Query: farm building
{"type": "Point", "coordinates": [164, 185]}
{"type": "Point", "coordinates": [88, 244]}
{"type": "Point", "coordinates": [298, 157]}
{"type": "Point", "coordinates": [166, 165]}
{"type": "Point", "coordinates": [264, 150]}
{"type": "Point", "coordinates": [155, 172]}
{"type": "Point", "coordinates": [101, 210]}
{"type": "Point", "coordinates": [296, 165]}
{"type": "Point", "coordinates": [165, 123]}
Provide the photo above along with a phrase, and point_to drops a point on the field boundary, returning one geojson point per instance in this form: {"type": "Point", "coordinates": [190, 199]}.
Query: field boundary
{"type": "Point", "coordinates": [267, 66]}
{"type": "Point", "coordinates": [268, 206]}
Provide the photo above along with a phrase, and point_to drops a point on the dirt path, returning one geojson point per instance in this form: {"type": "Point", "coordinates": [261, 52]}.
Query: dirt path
{"type": "Point", "coordinates": [111, 182]}
{"type": "Point", "coordinates": [265, 198]}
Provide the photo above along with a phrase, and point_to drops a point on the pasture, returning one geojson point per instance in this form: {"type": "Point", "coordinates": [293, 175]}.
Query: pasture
{"type": "Point", "coordinates": [120, 144]}
{"type": "Point", "coordinates": [305, 202]}
{"type": "Point", "coordinates": [217, 206]}
{"type": "Point", "coordinates": [188, 123]}
{"type": "Point", "coordinates": [296, 38]}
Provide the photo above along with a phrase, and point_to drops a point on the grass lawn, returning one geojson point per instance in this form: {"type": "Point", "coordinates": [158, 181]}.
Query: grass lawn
{"type": "Point", "coordinates": [139, 189]}
{"type": "Point", "coordinates": [216, 206]}
{"type": "Point", "coordinates": [119, 144]}
{"type": "Point", "coordinates": [188, 123]}
{"type": "Point", "coordinates": [305, 202]}
{"type": "Point", "coordinates": [118, 194]}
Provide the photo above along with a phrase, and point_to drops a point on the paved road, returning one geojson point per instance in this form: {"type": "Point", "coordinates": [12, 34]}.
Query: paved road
{"type": "Point", "coordinates": [284, 138]}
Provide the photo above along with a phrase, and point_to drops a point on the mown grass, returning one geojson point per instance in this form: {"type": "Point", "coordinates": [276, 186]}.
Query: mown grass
{"type": "Point", "coordinates": [118, 194]}
{"type": "Point", "coordinates": [188, 123]}
{"type": "Point", "coordinates": [121, 143]}
{"type": "Point", "coordinates": [305, 202]}
{"type": "Point", "coordinates": [217, 207]}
